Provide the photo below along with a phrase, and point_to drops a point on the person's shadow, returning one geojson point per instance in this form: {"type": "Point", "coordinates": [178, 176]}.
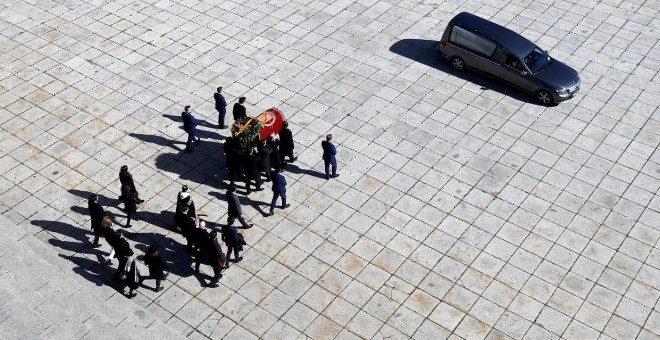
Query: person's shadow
{"type": "Point", "coordinates": [158, 140]}
{"type": "Point", "coordinates": [294, 169]}
{"type": "Point", "coordinates": [204, 134]}
{"type": "Point", "coordinates": [425, 51]}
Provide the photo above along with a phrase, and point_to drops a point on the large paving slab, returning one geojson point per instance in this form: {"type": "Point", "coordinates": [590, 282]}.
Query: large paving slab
{"type": "Point", "coordinates": [463, 209]}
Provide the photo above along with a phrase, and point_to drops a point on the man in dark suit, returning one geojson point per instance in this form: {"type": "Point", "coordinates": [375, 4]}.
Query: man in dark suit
{"type": "Point", "coordinates": [239, 110]}
{"type": "Point", "coordinates": [286, 144]}
{"type": "Point", "coordinates": [216, 258]}
{"type": "Point", "coordinates": [279, 190]}
{"type": "Point", "coordinates": [189, 126]}
{"type": "Point", "coordinates": [252, 171]}
{"type": "Point", "coordinates": [201, 239]}
{"type": "Point", "coordinates": [230, 236]}
{"type": "Point", "coordinates": [234, 206]}
{"type": "Point", "coordinates": [186, 224]}
{"type": "Point", "coordinates": [274, 142]}
{"type": "Point", "coordinates": [221, 106]}
{"type": "Point", "coordinates": [232, 160]}
{"type": "Point", "coordinates": [329, 152]}
{"type": "Point", "coordinates": [264, 156]}
{"type": "Point", "coordinates": [96, 213]}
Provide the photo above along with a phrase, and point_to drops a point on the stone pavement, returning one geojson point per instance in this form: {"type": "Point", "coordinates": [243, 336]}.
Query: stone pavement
{"type": "Point", "coordinates": [463, 209]}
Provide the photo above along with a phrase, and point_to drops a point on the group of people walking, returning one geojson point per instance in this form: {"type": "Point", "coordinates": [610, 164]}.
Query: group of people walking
{"type": "Point", "coordinates": [267, 159]}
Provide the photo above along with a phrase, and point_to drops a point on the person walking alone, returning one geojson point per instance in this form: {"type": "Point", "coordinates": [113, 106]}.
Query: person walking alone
{"type": "Point", "coordinates": [96, 214]}
{"type": "Point", "coordinates": [189, 126]}
{"type": "Point", "coordinates": [234, 207]}
{"type": "Point", "coordinates": [329, 152]}
{"type": "Point", "coordinates": [279, 190]}
{"type": "Point", "coordinates": [221, 107]}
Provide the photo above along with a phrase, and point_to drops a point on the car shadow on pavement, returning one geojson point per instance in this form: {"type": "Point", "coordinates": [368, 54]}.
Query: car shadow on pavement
{"type": "Point", "coordinates": [424, 51]}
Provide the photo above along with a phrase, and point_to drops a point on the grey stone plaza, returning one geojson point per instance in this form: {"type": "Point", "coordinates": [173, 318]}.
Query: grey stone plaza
{"type": "Point", "coordinates": [463, 208]}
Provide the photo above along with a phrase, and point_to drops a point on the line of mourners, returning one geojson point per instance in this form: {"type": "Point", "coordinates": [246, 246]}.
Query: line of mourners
{"type": "Point", "coordinates": [265, 159]}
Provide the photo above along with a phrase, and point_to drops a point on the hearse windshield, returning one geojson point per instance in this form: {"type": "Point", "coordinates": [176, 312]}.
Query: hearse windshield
{"type": "Point", "coordinates": [536, 60]}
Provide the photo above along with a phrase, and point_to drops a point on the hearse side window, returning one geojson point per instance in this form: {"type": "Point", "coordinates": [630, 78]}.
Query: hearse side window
{"type": "Point", "coordinates": [472, 41]}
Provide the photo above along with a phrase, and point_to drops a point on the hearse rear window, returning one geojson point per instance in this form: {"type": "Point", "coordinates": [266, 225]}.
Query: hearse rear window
{"type": "Point", "coordinates": [472, 41]}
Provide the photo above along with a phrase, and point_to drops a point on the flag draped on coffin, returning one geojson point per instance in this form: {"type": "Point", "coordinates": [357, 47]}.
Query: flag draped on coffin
{"type": "Point", "coordinates": [271, 122]}
{"type": "Point", "coordinates": [249, 131]}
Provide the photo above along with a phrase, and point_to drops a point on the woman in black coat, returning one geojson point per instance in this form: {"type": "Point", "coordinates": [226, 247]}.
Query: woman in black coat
{"type": "Point", "coordinates": [156, 265]}
{"type": "Point", "coordinates": [130, 204]}
{"type": "Point", "coordinates": [126, 178]}
{"type": "Point", "coordinates": [110, 237]}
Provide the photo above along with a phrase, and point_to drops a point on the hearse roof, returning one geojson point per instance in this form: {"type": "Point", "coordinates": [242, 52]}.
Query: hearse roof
{"type": "Point", "coordinates": [506, 38]}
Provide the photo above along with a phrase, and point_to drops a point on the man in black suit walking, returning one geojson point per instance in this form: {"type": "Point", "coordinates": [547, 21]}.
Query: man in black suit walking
{"type": "Point", "coordinates": [234, 207]}
{"type": "Point", "coordinates": [329, 152]}
{"type": "Point", "coordinates": [252, 171]}
{"type": "Point", "coordinates": [189, 126]}
{"type": "Point", "coordinates": [279, 190]}
{"type": "Point", "coordinates": [96, 213]}
{"type": "Point", "coordinates": [239, 110]}
{"type": "Point", "coordinates": [231, 238]}
{"type": "Point", "coordinates": [232, 160]}
{"type": "Point", "coordinates": [221, 106]}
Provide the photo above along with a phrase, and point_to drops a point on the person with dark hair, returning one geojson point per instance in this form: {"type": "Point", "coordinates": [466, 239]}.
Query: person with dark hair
{"type": "Point", "coordinates": [286, 144]}
{"type": "Point", "coordinates": [189, 126]}
{"type": "Point", "coordinates": [186, 224]}
{"type": "Point", "coordinates": [239, 110]}
{"type": "Point", "coordinates": [124, 251]}
{"type": "Point", "coordinates": [279, 190]}
{"type": "Point", "coordinates": [110, 236]}
{"type": "Point", "coordinates": [184, 198]}
{"type": "Point", "coordinates": [216, 259]}
{"type": "Point", "coordinates": [157, 266]}
{"type": "Point", "coordinates": [232, 160]}
{"type": "Point", "coordinates": [130, 205]}
{"type": "Point", "coordinates": [329, 152]}
{"type": "Point", "coordinates": [126, 178]}
{"type": "Point", "coordinates": [234, 207]}
{"type": "Point", "coordinates": [221, 107]}
{"type": "Point", "coordinates": [274, 142]}
{"type": "Point", "coordinates": [96, 214]}
{"type": "Point", "coordinates": [264, 156]}
{"type": "Point", "coordinates": [201, 240]}
{"type": "Point", "coordinates": [232, 240]}
{"type": "Point", "coordinates": [252, 171]}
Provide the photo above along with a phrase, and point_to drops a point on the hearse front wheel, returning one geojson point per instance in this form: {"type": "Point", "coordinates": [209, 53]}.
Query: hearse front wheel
{"type": "Point", "coordinates": [544, 97]}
